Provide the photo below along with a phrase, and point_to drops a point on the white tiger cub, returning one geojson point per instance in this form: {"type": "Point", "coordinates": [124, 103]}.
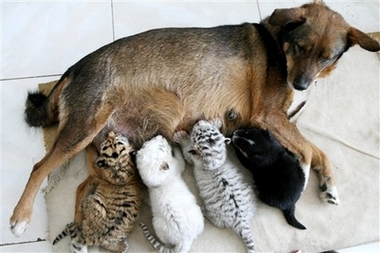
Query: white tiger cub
{"type": "Point", "coordinates": [229, 201]}
{"type": "Point", "coordinates": [177, 219]}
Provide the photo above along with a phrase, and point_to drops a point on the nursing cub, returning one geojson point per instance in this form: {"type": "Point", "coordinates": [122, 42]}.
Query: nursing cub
{"type": "Point", "coordinates": [278, 176]}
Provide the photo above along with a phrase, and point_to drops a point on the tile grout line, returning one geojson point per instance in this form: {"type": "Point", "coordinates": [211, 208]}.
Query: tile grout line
{"type": "Point", "coordinates": [258, 8]}
{"type": "Point", "coordinates": [17, 243]}
{"type": "Point", "coordinates": [29, 77]}
{"type": "Point", "coordinates": [113, 21]}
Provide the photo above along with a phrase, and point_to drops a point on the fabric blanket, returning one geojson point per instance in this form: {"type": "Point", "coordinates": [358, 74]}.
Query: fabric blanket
{"type": "Point", "coordinates": [342, 118]}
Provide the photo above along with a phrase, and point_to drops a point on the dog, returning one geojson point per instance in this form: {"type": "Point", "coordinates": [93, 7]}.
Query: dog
{"type": "Point", "coordinates": [162, 80]}
{"type": "Point", "coordinates": [278, 176]}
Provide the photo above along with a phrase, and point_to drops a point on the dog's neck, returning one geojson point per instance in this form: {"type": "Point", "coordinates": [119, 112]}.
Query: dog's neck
{"type": "Point", "coordinates": [274, 31]}
{"type": "Point", "coordinates": [269, 35]}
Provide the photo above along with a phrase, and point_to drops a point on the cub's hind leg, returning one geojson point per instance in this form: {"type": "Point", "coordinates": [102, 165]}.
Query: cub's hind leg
{"type": "Point", "coordinates": [73, 136]}
{"type": "Point", "coordinates": [83, 189]}
{"type": "Point", "coordinates": [119, 245]}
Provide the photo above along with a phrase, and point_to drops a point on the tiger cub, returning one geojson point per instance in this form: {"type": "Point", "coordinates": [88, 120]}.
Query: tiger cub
{"type": "Point", "coordinates": [177, 219]}
{"type": "Point", "coordinates": [108, 200]}
{"type": "Point", "coordinates": [229, 201]}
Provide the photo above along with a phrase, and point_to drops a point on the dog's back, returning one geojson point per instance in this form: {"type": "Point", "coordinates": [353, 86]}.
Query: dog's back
{"type": "Point", "coordinates": [278, 176]}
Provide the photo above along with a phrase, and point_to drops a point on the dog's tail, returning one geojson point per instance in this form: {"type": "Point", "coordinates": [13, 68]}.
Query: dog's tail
{"type": "Point", "coordinates": [291, 219]}
{"type": "Point", "coordinates": [42, 110]}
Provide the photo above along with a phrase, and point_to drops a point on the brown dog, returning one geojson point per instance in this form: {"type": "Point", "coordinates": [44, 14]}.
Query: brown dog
{"type": "Point", "coordinates": [163, 80]}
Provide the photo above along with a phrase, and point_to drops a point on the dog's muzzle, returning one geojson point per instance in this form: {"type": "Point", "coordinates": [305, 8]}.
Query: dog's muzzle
{"type": "Point", "coordinates": [302, 83]}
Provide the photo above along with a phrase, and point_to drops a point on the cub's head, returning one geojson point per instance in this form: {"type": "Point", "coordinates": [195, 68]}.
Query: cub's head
{"type": "Point", "coordinates": [154, 162]}
{"type": "Point", "coordinates": [255, 144]}
{"type": "Point", "coordinates": [313, 38]}
{"type": "Point", "coordinates": [208, 144]}
{"type": "Point", "coordinates": [116, 159]}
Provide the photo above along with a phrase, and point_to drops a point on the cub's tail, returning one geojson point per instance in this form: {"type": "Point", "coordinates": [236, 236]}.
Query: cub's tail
{"type": "Point", "coordinates": [291, 219]}
{"type": "Point", "coordinates": [42, 110]}
{"type": "Point", "coordinates": [67, 231]}
{"type": "Point", "coordinates": [155, 243]}
{"type": "Point", "coordinates": [245, 233]}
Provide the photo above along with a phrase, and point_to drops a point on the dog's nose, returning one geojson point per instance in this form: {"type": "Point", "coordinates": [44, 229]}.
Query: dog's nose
{"type": "Point", "coordinates": [301, 82]}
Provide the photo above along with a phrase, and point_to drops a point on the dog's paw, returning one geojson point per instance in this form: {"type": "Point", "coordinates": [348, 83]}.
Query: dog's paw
{"type": "Point", "coordinates": [181, 136]}
{"type": "Point", "coordinates": [329, 194]}
{"type": "Point", "coordinates": [19, 227]}
{"type": "Point", "coordinates": [20, 220]}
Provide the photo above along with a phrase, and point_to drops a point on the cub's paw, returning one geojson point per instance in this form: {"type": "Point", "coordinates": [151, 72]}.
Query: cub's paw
{"type": "Point", "coordinates": [181, 136]}
{"type": "Point", "coordinates": [77, 247]}
{"type": "Point", "coordinates": [19, 227]}
{"type": "Point", "coordinates": [329, 194]}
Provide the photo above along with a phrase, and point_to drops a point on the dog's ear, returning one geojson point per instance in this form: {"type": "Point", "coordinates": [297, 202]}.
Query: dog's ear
{"type": "Point", "coordinates": [282, 17]}
{"type": "Point", "coordinates": [320, 2]}
{"type": "Point", "coordinates": [354, 36]}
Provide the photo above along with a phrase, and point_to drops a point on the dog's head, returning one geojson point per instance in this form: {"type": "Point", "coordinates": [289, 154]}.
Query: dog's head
{"type": "Point", "coordinates": [313, 38]}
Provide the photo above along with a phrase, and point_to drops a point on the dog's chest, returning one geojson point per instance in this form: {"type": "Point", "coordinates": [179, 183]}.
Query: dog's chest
{"type": "Point", "coordinates": [296, 107]}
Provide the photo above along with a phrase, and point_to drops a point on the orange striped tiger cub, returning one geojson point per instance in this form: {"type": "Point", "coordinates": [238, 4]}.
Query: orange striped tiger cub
{"type": "Point", "coordinates": [108, 201]}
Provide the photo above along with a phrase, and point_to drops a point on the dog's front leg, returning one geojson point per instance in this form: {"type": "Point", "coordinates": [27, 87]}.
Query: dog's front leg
{"type": "Point", "coordinates": [310, 155]}
{"type": "Point", "coordinates": [323, 166]}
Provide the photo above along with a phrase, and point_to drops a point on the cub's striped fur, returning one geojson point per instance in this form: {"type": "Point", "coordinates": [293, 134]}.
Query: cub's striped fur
{"type": "Point", "coordinates": [228, 199]}
{"type": "Point", "coordinates": [153, 241]}
{"type": "Point", "coordinates": [110, 202]}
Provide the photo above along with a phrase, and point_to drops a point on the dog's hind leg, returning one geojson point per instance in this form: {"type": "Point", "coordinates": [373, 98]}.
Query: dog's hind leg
{"type": "Point", "coordinates": [72, 138]}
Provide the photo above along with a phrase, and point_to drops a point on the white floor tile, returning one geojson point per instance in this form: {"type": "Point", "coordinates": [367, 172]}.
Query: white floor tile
{"type": "Point", "coordinates": [21, 148]}
{"type": "Point", "coordinates": [368, 248]}
{"type": "Point", "coordinates": [143, 16]}
{"type": "Point", "coordinates": [44, 38]}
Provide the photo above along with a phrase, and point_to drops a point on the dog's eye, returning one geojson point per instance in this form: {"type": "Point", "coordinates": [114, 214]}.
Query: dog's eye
{"type": "Point", "coordinates": [325, 57]}
{"type": "Point", "coordinates": [300, 49]}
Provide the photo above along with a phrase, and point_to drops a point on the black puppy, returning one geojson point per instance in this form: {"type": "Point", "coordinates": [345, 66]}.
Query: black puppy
{"type": "Point", "coordinates": [278, 175]}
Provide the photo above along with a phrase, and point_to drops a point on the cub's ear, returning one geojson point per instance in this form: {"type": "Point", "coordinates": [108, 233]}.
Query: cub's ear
{"type": "Point", "coordinates": [227, 140]}
{"type": "Point", "coordinates": [270, 135]}
{"type": "Point", "coordinates": [282, 17]}
{"type": "Point", "coordinates": [164, 166]}
{"type": "Point", "coordinates": [217, 122]}
{"type": "Point", "coordinates": [133, 153]}
{"type": "Point", "coordinates": [356, 37]}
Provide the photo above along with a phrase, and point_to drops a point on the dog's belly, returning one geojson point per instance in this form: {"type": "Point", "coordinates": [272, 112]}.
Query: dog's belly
{"type": "Point", "coordinates": [149, 111]}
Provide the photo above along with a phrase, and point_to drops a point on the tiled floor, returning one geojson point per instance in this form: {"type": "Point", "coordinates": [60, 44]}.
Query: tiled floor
{"type": "Point", "coordinates": [41, 39]}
